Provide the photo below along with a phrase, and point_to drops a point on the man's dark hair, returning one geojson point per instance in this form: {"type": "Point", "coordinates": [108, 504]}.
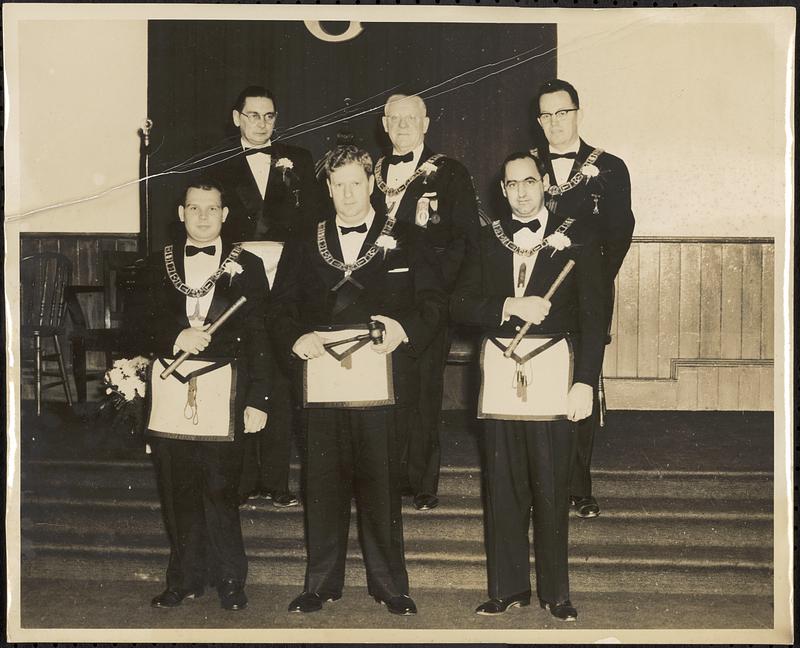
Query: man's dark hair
{"type": "Point", "coordinates": [557, 85]}
{"type": "Point", "coordinates": [206, 184]}
{"type": "Point", "coordinates": [254, 91]}
{"type": "Point", "coordinates": [342, 155]}
{"type": "Point", "coordinates": [523, 155]}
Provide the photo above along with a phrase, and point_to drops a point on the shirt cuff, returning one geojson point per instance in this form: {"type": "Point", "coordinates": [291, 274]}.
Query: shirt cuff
{"type": "Point", "coordinates": [505, 315]}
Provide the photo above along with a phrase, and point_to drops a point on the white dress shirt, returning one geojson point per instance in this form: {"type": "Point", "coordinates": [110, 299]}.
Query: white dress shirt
{"type": "Point", "coordinates": [198, 268]}
{"type": "Point", "coordinates": [259, 165]}
{"type": "Point", "coordinates": [526, 239]}
{"type": "Point", "coordinates": [397, 174]}
{"type": "Point", "coordinates": [352, 241]}
{"type": "Point", "coordinates": [563, 166]}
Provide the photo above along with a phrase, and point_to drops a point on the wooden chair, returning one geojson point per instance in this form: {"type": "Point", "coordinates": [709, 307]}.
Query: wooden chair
{"type": "Point", "coordinates": [118, 276]}
{"type": "Point", "coordinates": [44, 278]}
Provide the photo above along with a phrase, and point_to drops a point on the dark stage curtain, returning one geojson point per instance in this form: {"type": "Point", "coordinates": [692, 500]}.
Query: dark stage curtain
{"type": "Point", "coordinates": [478, 81]}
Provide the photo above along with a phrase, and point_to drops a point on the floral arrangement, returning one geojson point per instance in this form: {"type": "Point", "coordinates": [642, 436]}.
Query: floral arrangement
{"type": "Point", "coordinates": [125, 388]}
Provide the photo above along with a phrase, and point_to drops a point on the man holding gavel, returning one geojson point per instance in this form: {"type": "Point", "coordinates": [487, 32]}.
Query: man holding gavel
{"type": "Point", "coordinates": [335, 281]}
{"type": "Point", "coordinates": [529, 439]}
{"type": "Point", "coordinates": [201, 408]}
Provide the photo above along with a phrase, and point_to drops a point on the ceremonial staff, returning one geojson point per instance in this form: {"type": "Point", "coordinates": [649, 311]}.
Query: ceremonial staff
{"type": "Point", "coordinates": [548, 295]}
{"type": "Point", "coordinates": [210, 330]}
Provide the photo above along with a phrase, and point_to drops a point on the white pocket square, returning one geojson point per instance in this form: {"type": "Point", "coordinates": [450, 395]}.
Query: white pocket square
{"type": "Point", "coordinates": [398, 270]}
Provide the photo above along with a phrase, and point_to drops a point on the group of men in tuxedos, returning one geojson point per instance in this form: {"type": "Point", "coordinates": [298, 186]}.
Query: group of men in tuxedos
{"type": "Point", "coordinates": [396, 247]}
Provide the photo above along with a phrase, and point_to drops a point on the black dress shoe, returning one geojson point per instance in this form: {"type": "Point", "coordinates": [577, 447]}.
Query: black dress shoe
{"type": "Point", "coordinates": [402, 605]}
{"type": "Point", "coordinates": [425, 501]}
{"type": "Point", "coordinates": [586, 507]}
{"type": "Point", "coordinates": [496, 606]}
{"type": "Point", "coordinates": [311, 602]}
{"type": "Point", "coordinates": [231, 595]}
{"type": "Point", "coordinates": [245, 497]}
{"type": "Point", "coordinates": [283, 499]}
{"type": "Point", "coordinates": [173, 597]}
{"type": "Point", "coordinates": [563, 611]}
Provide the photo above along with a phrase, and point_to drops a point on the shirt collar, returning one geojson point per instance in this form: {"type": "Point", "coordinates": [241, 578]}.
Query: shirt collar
{"type": "Point", "coordinates": [417, 153]}
{"type": "Point", "coordinates": [541, 216]}
{"type": "Point", "coordinates": [367, 221]}
{"type": "Point", "coordinates": [217, 242]}
{"type": "Point", "coordinates": [572, 149]}
{"type": "Point", "coordinates": [247, 145]}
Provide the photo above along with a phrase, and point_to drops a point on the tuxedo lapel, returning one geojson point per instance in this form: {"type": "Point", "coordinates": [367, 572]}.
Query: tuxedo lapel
{"type": "Point", "coordinates": [247, 188]}
{"type": "Point", "coordinates": [539, 274]}
{"type": "Point", "coordinates": [583, 152]}
{"type": "Point", "coordinates": [223, 290]}
{"type": "Point", "coordinates": [177, 300]}
{"type": "Point", "coordinates": [407, 209]}
{"type": "Point", "coordinates": [372, 235]}
{"type": "Point", "coordinates": [330, 275]}
{"type": "Point", "coordinates": [502, 262]}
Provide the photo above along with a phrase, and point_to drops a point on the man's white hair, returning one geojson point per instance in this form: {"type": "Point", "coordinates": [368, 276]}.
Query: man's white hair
{"type": "Point", "coordinates": [402, 97]}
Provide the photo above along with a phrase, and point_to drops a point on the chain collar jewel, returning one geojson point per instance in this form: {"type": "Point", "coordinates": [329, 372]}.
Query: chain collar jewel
{"type": "Point", "coordinates": [586, 171]}
{"type": "Point", "coordinates": [228, 265]}
{"type": "Point", "coordinates": [384, 237]}
{"type": "Point", "coordinates": [427, 168]}
{"type": "Point", "coordinates": [557, 240]}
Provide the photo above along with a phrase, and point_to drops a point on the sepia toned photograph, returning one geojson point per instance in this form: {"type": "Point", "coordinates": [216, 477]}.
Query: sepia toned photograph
{"type": "Point", "coordinates": [399, 324]}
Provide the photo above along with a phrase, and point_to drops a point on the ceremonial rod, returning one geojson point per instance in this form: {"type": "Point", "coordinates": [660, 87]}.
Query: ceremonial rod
{"type": "Point", "coordinates": [548, 295]}
{"type": "Point", "coordinates": [177, 362]}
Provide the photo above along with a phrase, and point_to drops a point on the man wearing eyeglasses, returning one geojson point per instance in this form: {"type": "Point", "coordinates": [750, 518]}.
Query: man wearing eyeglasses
{"type": "Point", "coordinates": [586, 182]}
{"type": "Point", "coordinates": [271, 192]}
{"type": "Point", "coordinates": [435, 192]}
{"type": "Point", "coordinates": [529, 435]}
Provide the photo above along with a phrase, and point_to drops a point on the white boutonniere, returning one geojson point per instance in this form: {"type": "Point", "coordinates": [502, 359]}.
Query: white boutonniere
{"type": "Point", "coordinates": [558, 241]}
{"type": "Point", "coordinates": [233, 268]}
{"type": "Point", "coordinates": [428, 168]}
{"type": "Point", "coordinates": [590, 170]}
{"type": "Point", "coordinates": [386, 242]}
{"type": "Point", "coordinates": [284, 164]}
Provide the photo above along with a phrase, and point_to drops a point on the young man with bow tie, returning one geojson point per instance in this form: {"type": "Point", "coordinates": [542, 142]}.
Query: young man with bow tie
{"type": "Point", "coordinates": [355, 267]}
{"type": "Point", "coordinates": [435, 193]}
{"type": "Point", "coordinates": [200, 414]}
{"type": "Point", "coordinates": [529, 436]}
{"type": "Point", "coordinates": [586, 182]}
{"type": "Point", "coordinates": [271, 191]}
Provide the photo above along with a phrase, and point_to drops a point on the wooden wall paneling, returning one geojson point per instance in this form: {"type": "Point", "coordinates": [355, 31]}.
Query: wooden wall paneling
{"type": "Point", "coordinates": [729, 388]}
{"type": "Point", "coordinates": [126, 245]}
{"type": "Point", "coordinates": [689, 317]}
{"type": "Point", "coordinates": [708, 388]}
{"type": "Point", "coordinates": [766, 388]}
{"type": "Point", "coordinates": [610, 357]}
{"type": "Point", "coordinates": [628, 301]}
{"type": "Point", "coordinates": [751, 301]}
{"type": "Point", "coordinates": [687, 388]}
{"type": "Point", "coordinates": [731, 301]}
{"type": "Point", "coordinates": [710, 300]}
{"type": "Point", "coordinates": [647, 328]}
{"type": "Point", "coordinates": [749, 388]}
{"type": "Point", "coordinates": [768, 301]}
{"type": "Point", "coordinates": [669, 306]}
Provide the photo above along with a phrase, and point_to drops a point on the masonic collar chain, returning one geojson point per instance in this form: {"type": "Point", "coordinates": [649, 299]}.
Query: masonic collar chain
{"type": "Point", "coordinates": [396, 191]}
{"type": "Point", "coordinates": [202, 291]}
{"type": "Point", "coordinates": [349, 268]}
{"type": "Point", "coordinates": [516, 249]}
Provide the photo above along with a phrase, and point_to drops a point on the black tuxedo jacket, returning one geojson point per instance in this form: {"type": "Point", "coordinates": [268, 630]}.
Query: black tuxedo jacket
{"type": "Point", "coordinates": [292, 197]}
{"type": "Point", "coordinates": [456, 235]}
{"type": "Point", "coordinates": [577, 307]}
{"type": "Point", "coordinates": [612, 187]}
{"type": "Point", "coordinates": [302, 299]}
{"type": "Point", "coordinates": [158, 314]}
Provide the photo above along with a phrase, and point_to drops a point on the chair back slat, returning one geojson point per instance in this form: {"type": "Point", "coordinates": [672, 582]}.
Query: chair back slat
{"type": "Point", "coordinates": [43, 278]}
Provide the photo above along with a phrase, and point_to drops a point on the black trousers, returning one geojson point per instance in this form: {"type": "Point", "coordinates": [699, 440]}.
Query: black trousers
{"type": "Point", "coordinates": [527, 464]}
{"type": "Point", "coordinates": [266, 456]}
{"type": "Point", "coordinates": [424, 454]}
{"type": "Point", "coordinates": [197, 483]}
{"type": "Point", "coordinates": [581, 478]}
{"type": "Point", "coordinates": [353, 452]}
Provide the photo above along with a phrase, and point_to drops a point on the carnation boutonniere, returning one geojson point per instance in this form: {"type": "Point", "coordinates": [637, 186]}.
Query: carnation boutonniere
{"type": "Point", "coordinates": [590, 171]}
{"type": "Point", "coordinates": [558, 241]}
{"type": "Point", "coordinates": [284, 164]}
{"type": "Point", "coordinates": [428, 170]}
{"type": "Point", "coordinates": [386, 243]}
{"type": "Point", "coordinates": [232, 268]}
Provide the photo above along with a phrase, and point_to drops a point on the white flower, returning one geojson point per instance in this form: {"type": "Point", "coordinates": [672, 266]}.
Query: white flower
{"type": "Point", "coordinates": [386, 242]}
{"type": "Point", "coordinates": [558, 241]}
{"type": "Point", "coordinates": [233, 268]}
{"type": "Point", "coordinates": [126, 378]}
{"type": "Point", "coordinates": [428, 167]}
{"type": "Point", "coordinates": [284, 163]}
{"type": "Point", "coordinates": [590, 170]}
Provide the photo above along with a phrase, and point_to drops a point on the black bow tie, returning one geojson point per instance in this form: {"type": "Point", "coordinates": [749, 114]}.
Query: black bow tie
{"type": "Point", "coordinates": [515, 225]}
{"type": "Point", "coordinates": [399, 159]}
{"type": "Point", "coordinates": [361, 229]}
{"type": "Point", "coordinates": [253, 151]}
{"type": "Point", "coordinates": [191, 250]}
{"type": "Point", "coordinates": [567, 156]}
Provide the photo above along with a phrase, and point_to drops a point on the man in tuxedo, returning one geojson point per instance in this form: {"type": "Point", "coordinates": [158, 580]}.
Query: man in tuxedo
{"type": "Point", "coordinates": [435, 193]}
{"type": "Point", "coordinates": [196, 435]}
{"type": "Point", "coordinates": [586, 182]}
{"type": "Point", "coordinates": [527, 462]}
{"type": "Point", "coordinates": [271, 190]}
{"type": "Point", "coordinates": [355, 267]}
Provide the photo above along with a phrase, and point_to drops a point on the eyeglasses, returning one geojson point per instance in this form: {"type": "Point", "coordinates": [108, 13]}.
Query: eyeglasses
{"type": "Point", "coordinates": [256, 117]}
{"type": "Point", "coordinates": [395, 119]}
{"type": "Point", "coordinates": [558, 115]}
{"type": "Point", "coordinates": [514, 185]}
